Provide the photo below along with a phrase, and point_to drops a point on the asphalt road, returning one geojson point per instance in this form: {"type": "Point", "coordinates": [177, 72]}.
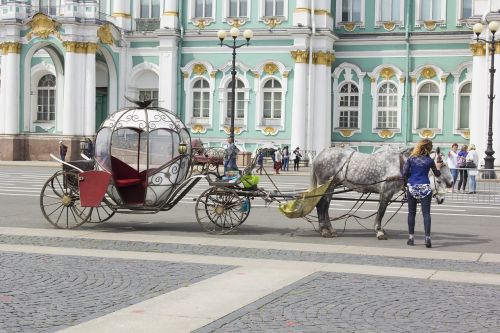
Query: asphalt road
{"type": "Point", "coordinates": [462, 223]}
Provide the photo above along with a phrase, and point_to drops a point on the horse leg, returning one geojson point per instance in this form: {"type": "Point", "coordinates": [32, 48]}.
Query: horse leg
{"type": "Point", "coordinates": [380, 233]}
{"type": "Point", "coordinates": [325, 227]}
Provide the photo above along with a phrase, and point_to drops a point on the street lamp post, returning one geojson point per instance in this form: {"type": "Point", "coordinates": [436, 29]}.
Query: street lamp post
{"type": "Point", "coordinates": [221, 34]}
{"type": "Point", "coordinates": [489, 159]}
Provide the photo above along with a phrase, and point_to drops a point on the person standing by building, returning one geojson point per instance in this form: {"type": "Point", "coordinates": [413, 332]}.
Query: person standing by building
{"type": "Point", "coordinates": [452, 163]}
{"type": "Point", "coordinates": [63, 150]}
{"type": "Point", "coordinates": [416, 170]}
{"type": "Point", "coordinates": [471, 163]}
{"type": "Point", "coordinates": [286, 159]}
{"type": "Point", "coordinates": [462, 171]}
{"type": "Point", "coordinates": [297, 156]}
{"type": "Point", "coordinates": [230, 154]}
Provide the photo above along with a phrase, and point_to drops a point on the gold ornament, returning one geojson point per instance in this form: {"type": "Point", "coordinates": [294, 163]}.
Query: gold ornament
{"type": "Point", "coordinates": [300, 57]}
{"type": "Point", "coordinates": [105, 35]}
{"type": "Point", "coordinates": [43, 26]}
{"type": "Point", "coordinates": [199, 69]}
{"type": "Point", "coordinates": [270, 131]}
{"type": "Point", "coordinates": [346, 133]}
{"type": "Point", "coordinates": [270, 68]}
{"type": "Point", "coordinates": [428, 72]}
{"type": "Point", "coordinates": [386, 134]}
{"type": "Point", "coordinates": [387, 73]}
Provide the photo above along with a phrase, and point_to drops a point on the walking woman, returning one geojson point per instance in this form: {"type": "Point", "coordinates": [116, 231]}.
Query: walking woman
{"type": "Point", "coordinates": [471, 164]}
{"type": "Point", "coordinates": [416, 171]}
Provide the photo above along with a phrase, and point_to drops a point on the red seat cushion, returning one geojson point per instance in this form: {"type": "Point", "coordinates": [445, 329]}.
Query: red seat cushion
{"type": "Point", "coordinates": [127, 182]}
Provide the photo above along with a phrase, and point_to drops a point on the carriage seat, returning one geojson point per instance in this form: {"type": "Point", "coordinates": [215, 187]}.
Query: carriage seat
{"type": "Point", "coordinates": [124, 175]}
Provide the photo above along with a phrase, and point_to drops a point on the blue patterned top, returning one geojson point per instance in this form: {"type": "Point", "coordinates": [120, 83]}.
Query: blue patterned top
{"type": "Point", "coordinates": [416, 170]}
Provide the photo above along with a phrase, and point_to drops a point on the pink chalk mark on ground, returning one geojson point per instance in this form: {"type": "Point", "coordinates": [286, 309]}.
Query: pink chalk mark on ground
{"type": "Point", "coordinates": [291, 323]}
{"type": "Point", "coordinates": [138, 311]}
{"type": "Point", "coordinates": [6, 298]}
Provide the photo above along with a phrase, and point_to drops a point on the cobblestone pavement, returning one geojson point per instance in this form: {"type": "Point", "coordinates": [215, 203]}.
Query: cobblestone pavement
{"type": "Point", "coordinates": [43, 293]}
{"type": "Point", "coordinates": [329, 302]}
{"type": "Point", "coordinates": [227, 251]}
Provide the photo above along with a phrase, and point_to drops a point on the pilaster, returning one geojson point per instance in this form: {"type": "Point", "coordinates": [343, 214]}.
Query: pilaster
{"type": "Point", "coordinates": [170, 16]}
{"type": "Point", "coordinates": [299, 109]}
{"type": "Point", "coordinates": [121, 14]}
{"type": "Point", "coordinates": [479, 102]}
{"type": "Point", "coordinates": [321, 117]}
{"type": "Point", "coordinates": [90, 90]}
{"type": "Point", "coordinates": [168, 62]}
{"type": "Point", "coordinates": [10, 85]}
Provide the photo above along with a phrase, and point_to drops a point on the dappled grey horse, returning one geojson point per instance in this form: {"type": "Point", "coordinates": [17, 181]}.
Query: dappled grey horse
{"type": "Point", "coordinates": [379, 172]}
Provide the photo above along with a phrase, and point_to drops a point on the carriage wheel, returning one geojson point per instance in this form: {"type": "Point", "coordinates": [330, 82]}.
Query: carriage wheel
{"type": "Point", "coordinates": [60, 201]}
{"type": "Point", "coordinates": [101, 213]}
{"type": "Point", "coordinates": [219, 210]}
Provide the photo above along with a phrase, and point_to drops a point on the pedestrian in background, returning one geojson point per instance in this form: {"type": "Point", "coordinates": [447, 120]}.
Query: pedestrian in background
{"type": "Point", "coordinates": [286, 159]}
{"type": "Point", "coordinates": [260, 161]}
{"type": "Point", "coordinates": [297, 156]}
{"type": "Point", "coordinates": [416, 170]}
{"type": "Point", "coordinates": [278, 156]}
{"type": "Point", "coordinates": [462, 171]}
{"type": "Point", "coordinates": [452, 163]}
{"type": "Point", "coordinates": [471, 163]}
{"type": "Point", "coordinates": [230, 154]}
{"type": "Point", "coordinates": [63, 150]}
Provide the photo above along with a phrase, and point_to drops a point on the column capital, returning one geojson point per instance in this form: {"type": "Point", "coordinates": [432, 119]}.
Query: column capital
{"type": "Point", "coordinates": [80, 47]}
{"type": "Point", "coordinates": [478, 49]}
{"type": "Point", "coordinates": [10, 47]}
{"type": "Point", "coordinates": [300, 56]}
{"type": "Point", "coordinates": [323, 58]}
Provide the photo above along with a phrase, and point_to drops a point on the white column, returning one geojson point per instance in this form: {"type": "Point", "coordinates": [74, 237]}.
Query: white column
{"type": "Point", "coordinates": [3, 73]}
{"type": "Point", "coordinates": [167, 89]}
{"type": "Point", "coordinates": [321, 132]}
{"type": "Point", "coordinates": [121, 14]}
{"type": "Point", "coordinates": [299, 108]}
{"type": "Point", "coordinates": [302, 13]}
{"type": "Point", "coordinates": [170, 16]}
{"type": "Point", "coordinates": [11, 100]}
{"type": "Point", "coordinates": [90, 83]}
{"type": "Point", "coordinates": [71, 107]}
{"type": "Point", "coordinates": [479, 111]}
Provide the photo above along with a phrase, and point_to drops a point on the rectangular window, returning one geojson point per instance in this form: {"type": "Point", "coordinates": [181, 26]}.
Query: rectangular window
{"type": "Point", "coordinates": [390, 10]}
{"type": "Point", "coordinates": [203, 8]}
{"type": "Point", "coordinates": [238, 8]}
{"type": "Point", "coordinates": [428, 111]}
{"type": "Point", "coordinates": [268, 102]}
{"type": "Point", "coordinates": [274, 8]}
{"type": "Point", "coordinates": [351, 10]}
{"type": "Point", "coordinates": [466, 9]}
{"type": "Point", "coordinates": [431, 10]}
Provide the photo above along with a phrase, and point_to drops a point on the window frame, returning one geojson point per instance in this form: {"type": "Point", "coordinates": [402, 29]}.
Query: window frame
{"type": "Point", "coordinates": [350, 108]}
{"type": "Point", "coordinates": [150, 9]}
{"type": "Point", "coordinates": [201, 118]}
{"type": "Point", "coordinates": [194, 7]}
{"type": "Point", "coordinates": [418, 14]}
{"type": "Point", "coordinates": [225, 105]}
{"type": "Point", "coordinates": [459, 106]}
{"type": "Point", "coordinates": [152, 92]}
{"type": "Point", "coordinates": [387, 108]}
{"type": "Point", "coordinates": [264, 17]}
{"type": "Point", "coordinates": [338, 15]}
{"type": "Point", "coordinates": [378, 15]}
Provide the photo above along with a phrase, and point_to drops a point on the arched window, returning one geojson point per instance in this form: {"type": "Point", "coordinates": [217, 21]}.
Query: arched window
{"type": "Point", "coordinates": [273, 97]}
{"type": "Point", "coordinates": [348, 106]}
{"type": "Point", "coordinates": [239, 106]}
{"type": "Point", "coordinates": [428, 106]}
{"type": "Point", "coordinates": [463, 117]}
{"type": "Point", "coordinates": [46, 107]}
{"type": "Point", "coordinates": [201, 99]}
{"type": "Point", "coordinates": [387, 106]}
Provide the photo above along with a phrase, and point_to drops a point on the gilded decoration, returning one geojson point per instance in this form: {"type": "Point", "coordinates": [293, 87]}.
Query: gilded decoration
{"type": "Point", "coordinates": [323, 58]}
{"type": "Point", "coordinates": [320, 12]}
{"type": "Point", "coordinates": [373, 79]}
{"type": "Point", "coordinates": [414, 79]}
{"type": "Point", "coordinates": [302, 10]}
{"type": "Point", "coordinates": [212, 74]}
{"type": "Point", "coordinates": [389, 26]}
{"type": "Point", "coordinates": [185, 75]}
{"type": "Point", "coordinates": [227, 130]}
{"type": "Point", "coordinates": [272, 22]}
{"type": "Point", "coordinates": [199, 69]}
{"type": "Point", "coordinates": [201, 24]}
{"type": "Point", "coordinates": [285, 74]}
{"type": "Point", "coordinates": [402, 79]}
{"type": "Point", "coordinates": [42, 26]}
{"type": "Point", "coordinates": [80, 47]}
{"type": "Point", "coordinates": [430, 25]}
{"type": "Point", "coordinates": [427, 134]}
{"type": "Point", "coordinates": [270, 131]}
{"type": "Point", "coordinates": [428, 73]}
{"type": "Point", "coordinates": [105, 35]}
{"type": "Point", "coordinates": [236, 22]}
{"type": "Point", "coordinates": [270, 68]}
{"type": "Point", "coordinates": [10, 47]}
{"type": "Point", "coordinates": [300, 57]}
{"type": "Point", "coordinates": [444, 78]}
{"type": "Point", "coordinates": [387, 73]}
{"type": "Point", "coordinates": [123, 15]}
{"type": "Point", "coordinates": [346, 133]}
{"type": "Point", "coordinates": [386, 134]}
{"type": "Point", "coordinates": [197, 128]}
{"type": "Point", "coordinates": [478, 49]}
{"type": "Point", "coordinates": [466, 135]}
{"type": "Point", "coordinates": [171, 13]}
{"type": "Point", "coordinates": [349, 26]}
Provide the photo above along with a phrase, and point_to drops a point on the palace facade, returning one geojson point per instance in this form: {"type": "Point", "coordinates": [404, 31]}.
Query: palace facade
{"type": "Point", "coordinates": [316, 73]}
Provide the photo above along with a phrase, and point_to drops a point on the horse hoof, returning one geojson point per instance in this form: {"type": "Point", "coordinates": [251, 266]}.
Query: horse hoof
{"type": "Point", "coordinates": [328, 233]}
{"type": "Point", "coordinates": [381, 235]}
